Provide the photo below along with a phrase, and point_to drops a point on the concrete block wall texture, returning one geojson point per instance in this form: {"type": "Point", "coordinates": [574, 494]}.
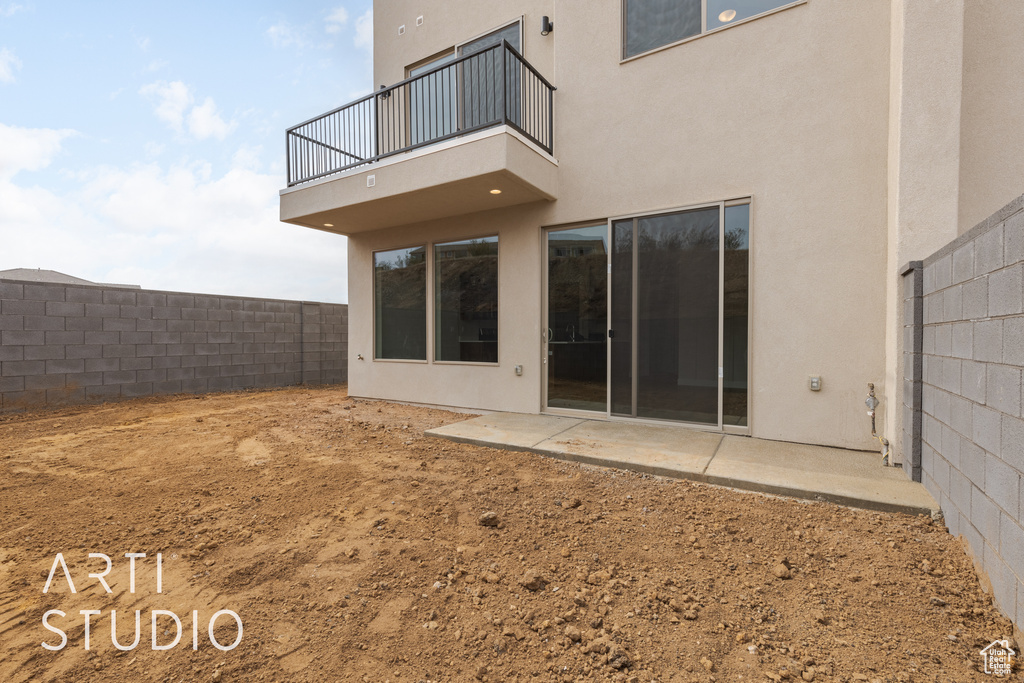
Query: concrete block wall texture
{"type": "Point", "coordinates": [971, 364]}
{"type": "Point", "coordinates": [66, 344]}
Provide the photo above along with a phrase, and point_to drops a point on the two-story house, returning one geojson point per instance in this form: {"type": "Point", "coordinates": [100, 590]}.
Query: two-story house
{"type": "Point", "coordinates": [658, 210]}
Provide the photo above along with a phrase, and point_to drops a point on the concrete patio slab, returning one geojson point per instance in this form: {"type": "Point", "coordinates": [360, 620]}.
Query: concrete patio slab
{"type": "Point", "coordinates": [515, 431]}
{"type": "Point", "coordinates": [854, 478]}
{"type": "Point", "coordinates": [655, 449]}
{"type": "Point", "coordinates": [837, 475]}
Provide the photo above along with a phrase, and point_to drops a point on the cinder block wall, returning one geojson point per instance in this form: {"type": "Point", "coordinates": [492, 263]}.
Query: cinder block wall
{"type": "Point", "coordinates": [971, 301]}
{"type": "Point", "coordinates": [65, 344]}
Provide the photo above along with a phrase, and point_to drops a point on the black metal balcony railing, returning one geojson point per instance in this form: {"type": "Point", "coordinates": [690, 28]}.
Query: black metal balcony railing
{"type": "Point", "coordinates": [489, 88]}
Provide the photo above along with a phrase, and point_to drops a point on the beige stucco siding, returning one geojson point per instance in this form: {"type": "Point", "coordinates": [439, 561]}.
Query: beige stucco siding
{"type": "Point", "coordinates": [519, 297]}
{"type": "Point", "coordinates": [992, 113]}
{"type": "Point", "coordinates": [447, 23]}
{"type": "Point", "coordinates": [791, 109]}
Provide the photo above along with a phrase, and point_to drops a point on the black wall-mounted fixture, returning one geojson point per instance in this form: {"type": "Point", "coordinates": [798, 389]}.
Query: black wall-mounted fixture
{"type": "Point", "coordinates": [546, 26]}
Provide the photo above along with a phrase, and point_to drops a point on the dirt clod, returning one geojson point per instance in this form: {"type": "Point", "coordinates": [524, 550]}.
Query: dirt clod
{"type": "Point", "coordinates": [533, 580]}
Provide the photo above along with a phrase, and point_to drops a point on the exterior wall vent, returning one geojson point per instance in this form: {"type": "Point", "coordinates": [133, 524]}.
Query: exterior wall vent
{"type": "Point", "coordinates": [371, 180]}
{"type": "Point", "coordinates": [419, 20]}
{"type": "Point", "coordinates": [401, 30]}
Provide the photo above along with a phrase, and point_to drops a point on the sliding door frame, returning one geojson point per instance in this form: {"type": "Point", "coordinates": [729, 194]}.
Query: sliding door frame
{"type": "Point", "coordinates": [720, 427]}
{"type": "Point", "coordinates": [545, 299]}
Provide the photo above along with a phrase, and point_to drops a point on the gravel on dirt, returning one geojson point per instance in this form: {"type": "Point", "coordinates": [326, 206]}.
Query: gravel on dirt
{"type": "Point", "coordinates": [352, 547]}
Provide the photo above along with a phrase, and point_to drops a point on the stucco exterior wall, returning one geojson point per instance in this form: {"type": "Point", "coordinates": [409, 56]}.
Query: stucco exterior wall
{"type": "Point", "coordinates": [925, 84]}
{"type": "Point", "coordinates": [992, 113]}
{"type": "Point", "coordinates": [447, 23]}
{"type": "Point", "coordinates": [519, 299]}
{"type": "Point", "coordinates": [791, 109]}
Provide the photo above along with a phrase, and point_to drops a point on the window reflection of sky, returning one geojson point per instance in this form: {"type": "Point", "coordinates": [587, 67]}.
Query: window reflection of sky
{"type": "Point", "coordinates": [737, 227]}
{"type": "Point", "coordinates": [592, 234]}
{"type": "Point", "coordinates": [743, 8]}
{"type": "Point", "coordinates": [397, 258]}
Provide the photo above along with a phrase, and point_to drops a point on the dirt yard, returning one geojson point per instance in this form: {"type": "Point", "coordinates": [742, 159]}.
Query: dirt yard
{"type": "Point", "coordinates": [352, 547]}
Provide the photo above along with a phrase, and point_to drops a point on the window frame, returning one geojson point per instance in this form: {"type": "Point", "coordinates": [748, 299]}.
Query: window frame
{"type": "Point", "coordinates": [429, 250]}
{"type": "Point", "coordinates": [432, 295]}
{"type": "Point", "coordinates": [427, 309]}
{"type": "Point", "coordinates": [454, 49]}
{"type": "Point", "coordinates": [737, 200]}
{"type": "Point", "coordinates": [623, 58]}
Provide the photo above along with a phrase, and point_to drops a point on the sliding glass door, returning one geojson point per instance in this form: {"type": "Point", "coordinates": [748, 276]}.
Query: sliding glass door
{"type": "Point", "coordinates": [666, 364]}
{"type": "Point", "coordinates": [575, 341]}
{"type": "Point", "coordinates": [676, 316]}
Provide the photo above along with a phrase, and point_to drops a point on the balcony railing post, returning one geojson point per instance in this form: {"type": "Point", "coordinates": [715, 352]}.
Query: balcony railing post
{"type": "Point", "coordinates": [551, 120]}
{"type": "Point", "coordinates": [504, 79]}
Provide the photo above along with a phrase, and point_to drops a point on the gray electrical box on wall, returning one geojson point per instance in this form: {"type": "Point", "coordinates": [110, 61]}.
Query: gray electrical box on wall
{"type": "Point", "coordinates": [814, 382]}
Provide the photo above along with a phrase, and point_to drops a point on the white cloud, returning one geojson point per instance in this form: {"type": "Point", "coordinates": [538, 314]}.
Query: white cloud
{"type": "Point", "coordinates": [248, 157]}
{"type": "Point", "coordinates": [153, 149]}
{"type": "Point", "coordinates": [173, 106]}
{"type": "Point", "coordinates": [205, 122]}
{"type": "Point", "coordinates": [28, 149]}
{"type": "Point", "coordinates": [364, 30]}
{"type": "Point", "coordinates": [284, 34]}
{"type": "Point", "coordinates": [182, 227]}
{"type": "Point", "coordinates": [336, 20]}
{"type": "Point", "coordinates": [9, 63]}
{"type": "Point", "coordinates": [10, 9]}
{"type": "Point", "coordinates": [172, 100]}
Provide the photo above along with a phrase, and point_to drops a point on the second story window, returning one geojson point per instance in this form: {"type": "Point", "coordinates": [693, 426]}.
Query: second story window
{"type": "Point", "coordinates": [650, 24]}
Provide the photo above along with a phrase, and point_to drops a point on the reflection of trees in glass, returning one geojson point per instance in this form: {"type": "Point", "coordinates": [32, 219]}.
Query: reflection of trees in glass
{"type": "Point", "coordinates": [467, 278]}
{"type": "Point", "coordinates": [692, 231]}
{"type": "Point", "coordinates": [400, 301]}
{"type": "Point", "coordinates": [466, 300]}
{"type": "Point", "coordinates": [401, 281]}
{"type": "Point", "coordinates": [736, 239]}
{"type": "Point", "coordinates": [577, 279]}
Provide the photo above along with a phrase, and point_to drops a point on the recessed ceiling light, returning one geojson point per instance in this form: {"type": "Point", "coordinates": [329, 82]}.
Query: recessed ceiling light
{"type": "Point", "coordinates": [328, 225]}
{"type": "Point", "coordinates": [727, 15]}
{"type": "Point", "coordinates": [495, 191]}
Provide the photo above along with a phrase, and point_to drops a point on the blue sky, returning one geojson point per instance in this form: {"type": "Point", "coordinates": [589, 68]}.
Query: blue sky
{"type": "Point", "coordinates": [143, 143]}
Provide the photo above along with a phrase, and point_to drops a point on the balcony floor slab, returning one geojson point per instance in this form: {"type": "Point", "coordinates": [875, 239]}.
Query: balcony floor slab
{"type": "Point", "coordinates": [449, 179]}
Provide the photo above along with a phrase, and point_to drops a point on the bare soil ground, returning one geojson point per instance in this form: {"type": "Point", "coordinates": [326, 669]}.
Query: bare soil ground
{"type": "Point", "coordinates": [351, 547]}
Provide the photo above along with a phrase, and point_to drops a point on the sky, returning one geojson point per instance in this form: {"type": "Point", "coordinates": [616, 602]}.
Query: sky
{"type": "Point", "coordinates": [143, 142]}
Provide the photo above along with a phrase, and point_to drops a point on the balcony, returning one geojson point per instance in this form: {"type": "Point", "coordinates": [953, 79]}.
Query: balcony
{"type": "Point", "coordinates": [432, 146]}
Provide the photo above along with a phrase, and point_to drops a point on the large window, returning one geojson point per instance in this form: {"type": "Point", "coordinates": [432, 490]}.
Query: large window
{"type": "Point", "coordinates": [400, 304]}
{"type": "Point", "coordinates": [650, 24]}
{"type": "Point", "coordinates": [466, 301]}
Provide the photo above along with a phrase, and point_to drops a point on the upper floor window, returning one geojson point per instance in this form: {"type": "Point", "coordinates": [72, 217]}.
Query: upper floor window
{"type": "Point", "coordinates": [650, 24]}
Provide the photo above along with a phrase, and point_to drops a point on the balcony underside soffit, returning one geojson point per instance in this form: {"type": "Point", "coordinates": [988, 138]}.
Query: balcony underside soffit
{"type": "Point", "coordinates": [448, 179]}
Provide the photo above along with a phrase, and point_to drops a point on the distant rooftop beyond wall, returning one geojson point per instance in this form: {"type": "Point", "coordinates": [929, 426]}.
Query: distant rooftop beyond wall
{"type": "Point", "coordinates": [43, 275]}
